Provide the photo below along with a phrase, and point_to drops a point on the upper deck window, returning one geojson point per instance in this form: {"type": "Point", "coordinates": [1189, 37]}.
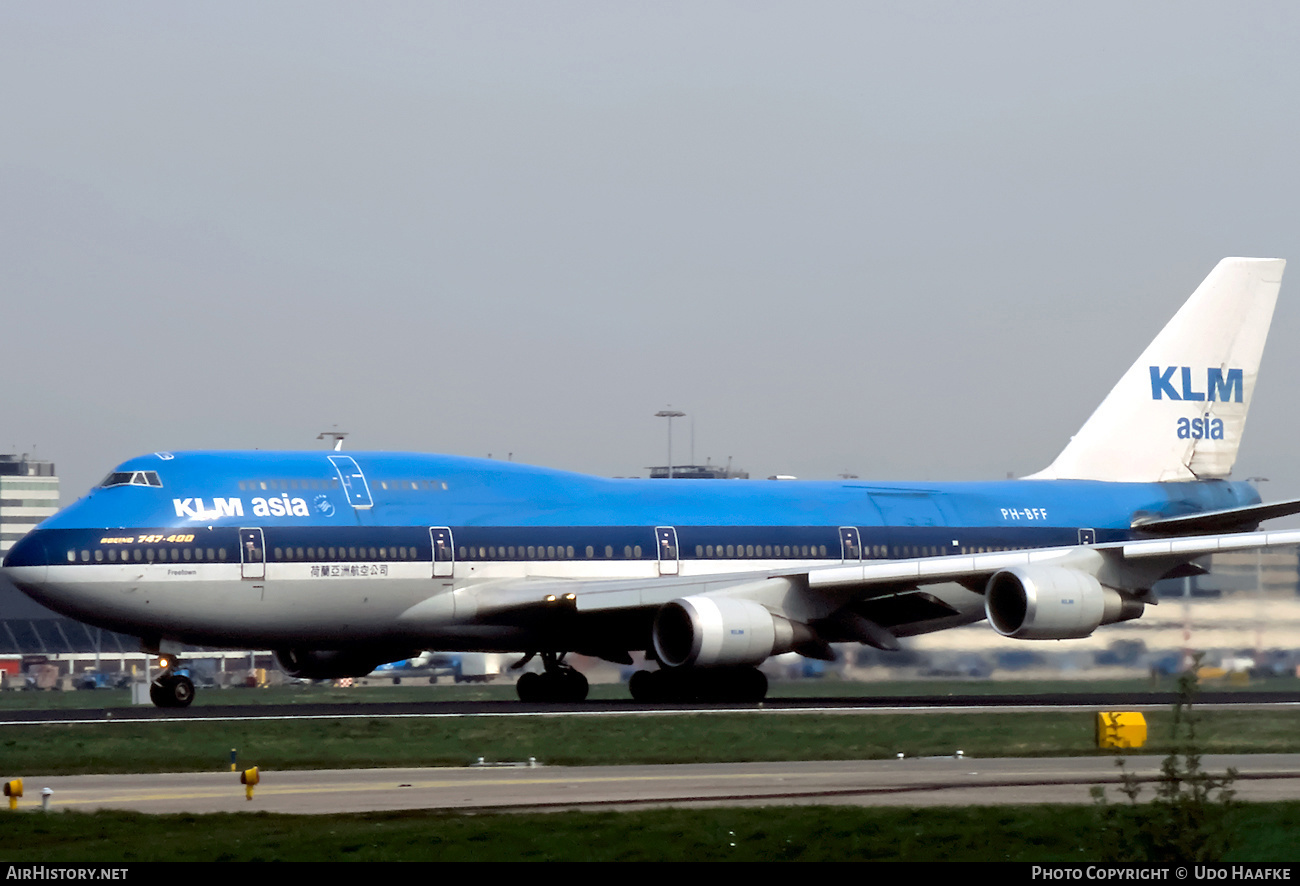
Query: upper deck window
{"type": "Point", "coordinates": [132, 478]}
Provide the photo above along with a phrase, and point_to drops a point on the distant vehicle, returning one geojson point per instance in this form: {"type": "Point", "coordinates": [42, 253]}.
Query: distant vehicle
{"type": "Point", "coordinates": [99, 680]}
{"type": "Point", "coordinates": [342, 562]}
{"type": "Point", "coordinates": [463, 667]}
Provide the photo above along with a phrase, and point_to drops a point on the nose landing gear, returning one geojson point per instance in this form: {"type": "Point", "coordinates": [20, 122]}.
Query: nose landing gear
{"type": "Point", "coordinates": [171, 688]}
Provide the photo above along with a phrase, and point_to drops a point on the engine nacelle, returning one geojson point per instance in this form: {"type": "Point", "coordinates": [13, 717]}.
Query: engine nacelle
{"type": "Point", "coordinates": [719, 632]}
{"type": "Point", "coordinates": [1053, 603]}
{"type": "Point", "coordinates": [331, 664]}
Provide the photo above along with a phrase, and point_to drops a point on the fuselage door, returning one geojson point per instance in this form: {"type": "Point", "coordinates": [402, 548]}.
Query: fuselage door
{"type": "Point", "coordinates": [850, 544]}
{"type": "Point", "coordinates": [666, 542]}
{"type": "Point", "coordinates": [354, 482]}
{"type": "Point", "coordinates": [443, 557]}
{"type": "Point", "coordinates": [252, 553]}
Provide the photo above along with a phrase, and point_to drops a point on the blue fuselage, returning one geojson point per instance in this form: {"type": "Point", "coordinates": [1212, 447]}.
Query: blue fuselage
{"type": "Point", "coordinates": [328, 509]}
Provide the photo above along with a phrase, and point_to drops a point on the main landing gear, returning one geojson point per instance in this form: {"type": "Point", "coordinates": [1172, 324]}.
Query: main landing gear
{"type": "Point", "coordinates": [560, 682]}
{"type": "Point", "coordinates": [171, 688]}
{"type": "Point", "coordinates": [677, 685]}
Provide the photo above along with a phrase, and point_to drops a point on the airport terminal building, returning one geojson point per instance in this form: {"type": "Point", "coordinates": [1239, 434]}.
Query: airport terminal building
{"type": "Point", "coordinates": [29, 492]}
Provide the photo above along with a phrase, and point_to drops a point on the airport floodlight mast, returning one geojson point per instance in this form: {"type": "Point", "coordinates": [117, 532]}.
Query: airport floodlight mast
{"type": "Point", "coordinates": [670, 414]}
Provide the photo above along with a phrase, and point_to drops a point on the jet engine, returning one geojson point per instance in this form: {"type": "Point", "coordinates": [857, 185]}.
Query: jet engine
{"type": "Point", "coordinates": [719, 632]}
{"type": "Point", "coordinates": [1053, 603]}
{"type": "Point", "coordinates": [330, 664]}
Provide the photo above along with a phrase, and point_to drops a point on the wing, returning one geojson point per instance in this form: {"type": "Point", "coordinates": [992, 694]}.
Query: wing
{"type": "Point", "coordinates": [1045, 593]}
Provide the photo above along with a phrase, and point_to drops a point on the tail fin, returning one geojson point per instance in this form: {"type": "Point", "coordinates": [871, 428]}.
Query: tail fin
{"type": "Point", "coordinates": [1179, 411]}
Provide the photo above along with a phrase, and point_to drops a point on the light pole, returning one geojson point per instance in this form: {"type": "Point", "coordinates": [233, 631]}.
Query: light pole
{"type": "Point", "coordinates": [669, 414]}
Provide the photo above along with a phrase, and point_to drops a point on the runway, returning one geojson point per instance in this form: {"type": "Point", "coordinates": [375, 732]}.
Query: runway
{"type": "Point", "coordinates": [926, 781]}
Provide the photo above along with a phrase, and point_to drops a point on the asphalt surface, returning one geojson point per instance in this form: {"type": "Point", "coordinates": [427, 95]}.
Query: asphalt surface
{"type": "Point", "coordinates": [925, 781]}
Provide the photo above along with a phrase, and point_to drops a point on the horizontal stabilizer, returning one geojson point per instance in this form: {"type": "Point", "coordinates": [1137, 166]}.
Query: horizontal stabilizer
{"type": "Point", "coordinates": [1242, 519]}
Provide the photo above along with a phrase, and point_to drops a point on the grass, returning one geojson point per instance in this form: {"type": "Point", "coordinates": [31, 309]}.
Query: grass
{"type": "Point", "coordinates": [1262, 832]}
{"type": "Point", "coordinates": [1265, 832]}
{"type": "Point", "coordinates": [588, 740]}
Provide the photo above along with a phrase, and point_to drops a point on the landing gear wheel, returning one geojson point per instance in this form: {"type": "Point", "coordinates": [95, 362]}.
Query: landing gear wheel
{"type": "Point", "coordinates": [572, 685]}
{"type": "Point", "coordinates": [172, 691]}
{"type": "Point", "coordinates": [559, 683]}
{"type": "Point", "coordinates": [645, 687]}
{"type": "Point", "coordinates": [531, 687]}
{"type": "Point", "coordinates": [678, 685]}
{"type": "Point", "coordinates": [181, 691]}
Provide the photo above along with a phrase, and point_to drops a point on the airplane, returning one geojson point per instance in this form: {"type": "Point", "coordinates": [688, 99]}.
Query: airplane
{"type": "Point", "coordinates": [341, 562]}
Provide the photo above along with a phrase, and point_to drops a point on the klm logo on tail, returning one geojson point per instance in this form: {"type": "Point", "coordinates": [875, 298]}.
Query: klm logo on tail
{"type": "Point", "coordinates": [1217, 386]}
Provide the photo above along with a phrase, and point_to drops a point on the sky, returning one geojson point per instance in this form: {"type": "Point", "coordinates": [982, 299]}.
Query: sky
{"type": "Point", "coordinates": [903, 241]}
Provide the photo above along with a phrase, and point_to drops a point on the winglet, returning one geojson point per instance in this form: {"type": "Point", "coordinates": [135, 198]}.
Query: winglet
{"type": "Point", "coordinates": [1179, 411]}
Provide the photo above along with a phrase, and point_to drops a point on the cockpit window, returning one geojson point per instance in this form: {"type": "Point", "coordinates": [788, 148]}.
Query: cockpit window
{"type": "Point", "coordinates": [132, 478]}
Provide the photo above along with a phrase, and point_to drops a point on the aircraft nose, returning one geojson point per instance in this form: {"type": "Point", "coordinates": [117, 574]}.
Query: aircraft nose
{"type": "Point", "coordinates": [28, 551]}
{"type": "Point", "coordinates": [26, 564]}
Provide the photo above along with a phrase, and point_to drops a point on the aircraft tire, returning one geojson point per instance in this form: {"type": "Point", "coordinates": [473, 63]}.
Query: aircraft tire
{"type": "Point", "coordinates": [752, 685]}
{"type": "Point", "coordinates": [174, 691]}
{"type": "Point", "coordinates": [644, 687]}
{"type": "Point", "coordinates": [685, 685]}
{"type": "Point", "coordinates": [531, 687]}
{"type": "Point", "coordinates": [575, 685]}
{"type": "Point", "coordinates": [181, 691]}
{"type": "Point", "coordinates": [739, 684]}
